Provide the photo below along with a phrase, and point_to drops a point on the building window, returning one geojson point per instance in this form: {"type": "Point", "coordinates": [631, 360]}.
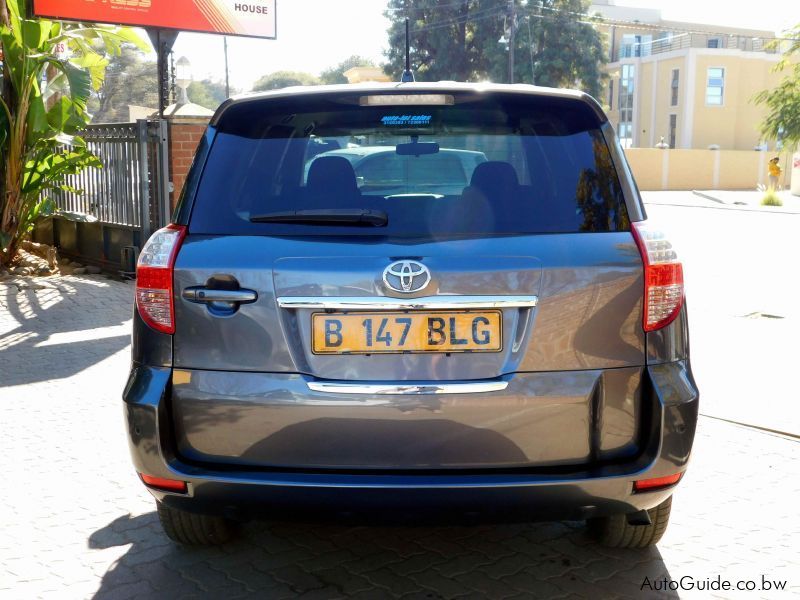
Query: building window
{"type": "Point", "coordinates": [625, 106]}
{"type": "Point", "coordinates": [713, 43]}
{"type": "Point", "coordinates": [674, 87]}
{"type": "Point", "coordinates": [715, 86]}
{"type": "Point", "coordinates": [629, 47]}
{"type": "Point", "coordinates": [636, 45]}
{"type": "Point", "coordinates": [673, 129]}
{"type": "Point", "coordinates": [611, 94]}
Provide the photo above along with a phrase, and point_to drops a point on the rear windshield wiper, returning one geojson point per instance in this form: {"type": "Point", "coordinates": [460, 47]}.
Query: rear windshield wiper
{"type": "Point", "coordinates": [359, 217]}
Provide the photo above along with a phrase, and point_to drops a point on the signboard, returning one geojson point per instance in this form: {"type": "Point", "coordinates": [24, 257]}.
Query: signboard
{"type": "Point", "coordinates": [61, 50]}
{"type": "Point", "coordinates": [255, 18]}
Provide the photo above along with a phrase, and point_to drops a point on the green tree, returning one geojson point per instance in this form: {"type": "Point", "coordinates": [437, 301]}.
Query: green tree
{"type": "Point", "coordinates": [282, 79]}
{"type": "Point", "coordinates": [554, 46]}
{"type": "Point", "coordinates": [336, 74]}
{"type": "Point", "coordinates": [446, 38]}
{"type": "Point", "coordinates": [39, 124]}
{"type": "Point", "coordinates": [129, 79]}
{"type": "Point", "coordinates": [208, 93]}
{"type": "Point", "coordinates": [783, 101]}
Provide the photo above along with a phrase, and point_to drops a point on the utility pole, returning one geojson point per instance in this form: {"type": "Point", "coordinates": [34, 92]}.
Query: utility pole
{"type": "Point", "coordinates": [227, 84]}
{"type": "Point", "coordinates": [172, 87]}
{"type": "Point", "coordinates": [512, 17]}
{"type": "Point", "coordinates": [162, 40]}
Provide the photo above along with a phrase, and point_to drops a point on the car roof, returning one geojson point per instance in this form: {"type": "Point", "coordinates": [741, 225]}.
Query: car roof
{"type": "Point", "coordinates": [417, 87]}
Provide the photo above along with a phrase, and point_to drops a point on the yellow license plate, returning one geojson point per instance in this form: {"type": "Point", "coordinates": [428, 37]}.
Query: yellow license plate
{"type": "Point", "coordinates": [381, 332]}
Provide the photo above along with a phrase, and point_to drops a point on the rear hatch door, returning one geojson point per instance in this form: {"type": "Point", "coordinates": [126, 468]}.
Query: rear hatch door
{"type": "Point", "coordinates": [520, 328]}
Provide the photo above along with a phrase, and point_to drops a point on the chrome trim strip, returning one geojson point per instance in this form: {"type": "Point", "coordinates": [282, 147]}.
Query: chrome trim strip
{"type": "Point", "coordinates": [203, 294]}
{"type": "Point", "coordinates": [423, 303]}
{"type": "Point", "coordinates": [409, 389]}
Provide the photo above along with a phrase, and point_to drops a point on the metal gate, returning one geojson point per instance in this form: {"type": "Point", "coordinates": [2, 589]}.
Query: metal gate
{"type": "Point", "coordinates": [132, 188]}
{"type": "Point", "coordinates": [120, 204]}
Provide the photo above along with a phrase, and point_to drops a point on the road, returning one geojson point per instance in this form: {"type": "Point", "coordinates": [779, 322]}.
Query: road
{"type": "Point", "coordinates": [76, 522]}
{"type": "Point", "coordinates": [743, 294]}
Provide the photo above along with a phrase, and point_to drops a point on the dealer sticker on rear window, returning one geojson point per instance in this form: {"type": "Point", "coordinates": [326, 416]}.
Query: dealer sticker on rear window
{"type": "Point", "coordinates": [406, 120]}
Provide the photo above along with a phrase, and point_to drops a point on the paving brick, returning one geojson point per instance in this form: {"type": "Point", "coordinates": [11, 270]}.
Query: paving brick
{"type": "Point", "coordinates": [441, 545]}
{"type": "Point", "coordinates": [320, 594]}
{"type": "Point", "coordinates": [343, 580]}
{"type": "Point", "coordinates": [376, 561]}
{"type": "Point", "coordinates": [140, 589]}
{"type": "Point", "coordinates": [396, 584]}
{"type": "Point", "coordinates": [269, 563]}
{"type": "Point", "coordinates": [320, 561]}
{"type": "Point", "coordinates": [508, 565]}
{"type": "Point", "coordinates": [532, 583]}
{"type": "Point", "coordinates": [495, 550]}
{"type": "Point", "coordinates": [375, 594]}
{"type": "Point", "coordinates": [465, 563]}
{"type": "Point", "coordinates": [208, 579]}
{"type": "Point", "coordinates": [479, 581]}
{"type": "Point", "coordinates": [416, 564]}
{"type": "Point", "coordinates": [298, 579]}
{"type": "Point", "coordinates": [248, 577]}
{"type": "Point", "coordinates": [447, 586]}
{"type": "Point", "coordinates": [425, 595]}
{"type": "Point", "coordinates": [399, 546]}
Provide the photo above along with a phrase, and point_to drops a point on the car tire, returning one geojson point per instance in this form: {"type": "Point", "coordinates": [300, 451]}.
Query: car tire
{"type": "Point", "coordinates": [616, 532]}
{"type": "Point", "coordinates": [195, 530]}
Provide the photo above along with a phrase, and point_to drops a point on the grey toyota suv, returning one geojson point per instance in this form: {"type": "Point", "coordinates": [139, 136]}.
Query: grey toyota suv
{"type": "Point", "coordinates": [309, 340]}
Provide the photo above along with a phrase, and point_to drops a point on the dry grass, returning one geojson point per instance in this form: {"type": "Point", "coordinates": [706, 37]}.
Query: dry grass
{"type": "Point", "coordinates": [771, 199]}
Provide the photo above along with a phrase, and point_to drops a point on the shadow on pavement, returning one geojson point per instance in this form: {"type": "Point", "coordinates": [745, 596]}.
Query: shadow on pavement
{"type": "Point", "coordinates": [290, 560]}
{"type": "Point", "coordinates": [43, 335]}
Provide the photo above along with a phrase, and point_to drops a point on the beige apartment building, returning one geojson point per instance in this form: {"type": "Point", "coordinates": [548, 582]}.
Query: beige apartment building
{"type": "Point", "coordinates": [689, 83]}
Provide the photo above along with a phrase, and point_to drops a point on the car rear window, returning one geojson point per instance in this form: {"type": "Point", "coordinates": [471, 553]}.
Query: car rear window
{"type": "Point", "coordinates": [469, 164]}
{"type": "Point", "coordinates": [385, 170]}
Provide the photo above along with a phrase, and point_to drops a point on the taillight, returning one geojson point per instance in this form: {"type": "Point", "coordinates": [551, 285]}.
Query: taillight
{"type": "Point", "coordinates": [663, 277]}
{"type": "Point", "coordinates": [657, 483]}
{"type": "Point", "coordinates": [154, 298]}
{"type": "Point", "coordinates": [161, 483]}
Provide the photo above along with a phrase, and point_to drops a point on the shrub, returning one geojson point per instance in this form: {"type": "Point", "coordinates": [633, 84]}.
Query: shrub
{"type": "Point", "coordinates": [771, 199]}
{"type": "Point", "coordinates": [40, 126]}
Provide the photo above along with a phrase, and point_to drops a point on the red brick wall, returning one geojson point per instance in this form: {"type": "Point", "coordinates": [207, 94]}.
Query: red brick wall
{"type": "Point", "coordinates": [183, 140]}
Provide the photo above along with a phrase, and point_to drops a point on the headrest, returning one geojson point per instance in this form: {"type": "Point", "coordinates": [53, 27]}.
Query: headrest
{"type": "Point", "coordinates": [494, 175]}
{"type": "Point", "coordinates": [332, 174]}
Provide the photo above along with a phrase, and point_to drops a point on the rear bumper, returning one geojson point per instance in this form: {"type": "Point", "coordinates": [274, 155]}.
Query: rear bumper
{"type": "Point", "coordinates": [514, 494]}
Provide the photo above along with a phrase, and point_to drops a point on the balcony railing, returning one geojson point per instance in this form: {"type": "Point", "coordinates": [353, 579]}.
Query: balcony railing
{"type": "Point", "coordinates": [682, 41]}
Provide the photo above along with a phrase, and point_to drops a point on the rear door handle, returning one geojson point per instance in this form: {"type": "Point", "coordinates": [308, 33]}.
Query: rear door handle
{"type": "Point", "coordinates": [204, 295]}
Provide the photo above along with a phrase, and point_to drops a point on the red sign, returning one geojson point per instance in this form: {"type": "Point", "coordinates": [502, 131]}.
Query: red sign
{"type": "Point", "coordinates": [254, 18]}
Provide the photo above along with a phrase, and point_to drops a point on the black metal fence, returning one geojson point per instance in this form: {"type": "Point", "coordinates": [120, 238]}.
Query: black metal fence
{"type": "Point", "coordinates": [128, 190]}
{"type": "Point", "coordinates": [119, 205]}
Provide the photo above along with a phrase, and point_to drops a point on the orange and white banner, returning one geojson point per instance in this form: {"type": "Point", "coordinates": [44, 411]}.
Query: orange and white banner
{"type": "Point", "coordinates": [254, 18]}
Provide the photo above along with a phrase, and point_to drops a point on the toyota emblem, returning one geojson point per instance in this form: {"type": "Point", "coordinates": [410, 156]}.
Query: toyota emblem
{"type": "Point", "coordinates": [407, 276]}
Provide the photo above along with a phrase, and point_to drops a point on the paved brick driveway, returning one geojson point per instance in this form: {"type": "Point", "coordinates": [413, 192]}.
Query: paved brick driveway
{"type": "Point", "coordinates": [75, 522]}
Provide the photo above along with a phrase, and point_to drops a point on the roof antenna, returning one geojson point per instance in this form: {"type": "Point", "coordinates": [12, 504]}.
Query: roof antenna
{"type": "Point", "coordinates": [408, 76]}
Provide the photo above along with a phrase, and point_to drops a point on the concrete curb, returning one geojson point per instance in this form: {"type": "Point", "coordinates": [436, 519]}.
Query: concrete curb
{"type": "Point", "coordinates": [721, 205]}
{"type": "Point", "coordinates": [707, 197]}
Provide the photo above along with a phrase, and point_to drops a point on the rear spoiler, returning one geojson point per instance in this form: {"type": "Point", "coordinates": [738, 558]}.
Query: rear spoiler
{"type": "Point", "coordinates": [422, 88]}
